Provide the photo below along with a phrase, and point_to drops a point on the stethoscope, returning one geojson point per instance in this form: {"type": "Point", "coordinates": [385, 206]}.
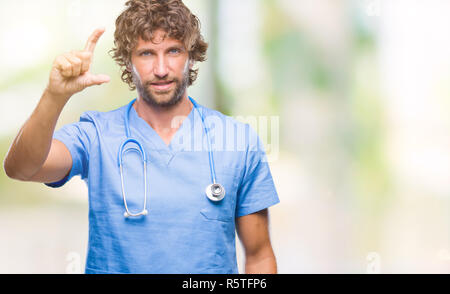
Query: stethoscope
{"type": "Point", "coordinates": [215, 191]}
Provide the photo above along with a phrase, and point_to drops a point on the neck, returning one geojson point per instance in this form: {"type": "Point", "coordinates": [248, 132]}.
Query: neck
{"type": "Point", "coordinates": [164, 120]}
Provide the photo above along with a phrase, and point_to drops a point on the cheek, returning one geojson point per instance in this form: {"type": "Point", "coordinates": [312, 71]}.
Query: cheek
{"type": "Point", "coordinates": [142, 67]}
{"type": "Point", "coordinates": [145, 69]}
{"type": "Point", "coordinates": [145, 73]}
{"type": "Point", "coordinates": [180, 68]}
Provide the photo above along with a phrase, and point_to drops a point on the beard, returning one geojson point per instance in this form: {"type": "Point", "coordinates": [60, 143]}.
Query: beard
{"type": "Point", "coordinates": [146, 94]}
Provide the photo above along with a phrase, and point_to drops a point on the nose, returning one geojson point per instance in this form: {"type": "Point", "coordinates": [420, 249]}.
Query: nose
{"type": "Point", "coordinates": [160, 68]}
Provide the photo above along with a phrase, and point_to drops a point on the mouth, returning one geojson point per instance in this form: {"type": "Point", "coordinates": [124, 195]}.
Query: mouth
{"type": "Point", "coordinates": [162, 86]}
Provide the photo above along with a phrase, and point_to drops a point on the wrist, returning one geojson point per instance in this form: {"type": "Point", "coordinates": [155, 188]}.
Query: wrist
{"type": "Point", "coordinates": [56, 99]}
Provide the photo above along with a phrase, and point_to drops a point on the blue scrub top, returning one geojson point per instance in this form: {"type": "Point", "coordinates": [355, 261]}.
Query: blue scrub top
{"type": "Point", "coordinates": [184, 232]}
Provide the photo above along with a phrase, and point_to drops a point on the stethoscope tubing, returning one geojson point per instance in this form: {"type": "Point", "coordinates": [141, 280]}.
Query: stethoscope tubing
{"type": "Point", "coordinates": [210, 153]}
{"type": "Point", "coordinates": [144, 160]}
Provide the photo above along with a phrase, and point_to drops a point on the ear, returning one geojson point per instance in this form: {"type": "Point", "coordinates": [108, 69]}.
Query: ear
{"type": "Point", "coordinates": [191, 63]}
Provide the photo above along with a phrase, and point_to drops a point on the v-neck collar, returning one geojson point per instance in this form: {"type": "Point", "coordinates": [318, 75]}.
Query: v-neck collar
{"type": "Point", "coordinates": [137, 124]}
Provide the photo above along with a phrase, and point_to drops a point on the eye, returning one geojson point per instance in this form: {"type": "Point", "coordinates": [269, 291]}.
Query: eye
{"type": "Point", "coordinates": [174, 50]}
{"type": "Point", "coordinates": [145, 53]}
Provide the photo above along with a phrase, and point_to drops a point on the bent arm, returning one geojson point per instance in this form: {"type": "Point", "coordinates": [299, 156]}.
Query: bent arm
{"type": "Point", "coordinates": [254, 234]}
{"type": "Point", "coordinates": [34, 155]}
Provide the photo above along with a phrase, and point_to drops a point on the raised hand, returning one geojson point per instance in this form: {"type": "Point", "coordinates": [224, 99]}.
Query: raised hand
{"type": "Point", "coordinates": [70, 72]}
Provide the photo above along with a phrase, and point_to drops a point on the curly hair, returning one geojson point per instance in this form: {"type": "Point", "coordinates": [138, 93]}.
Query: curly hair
{"type": "Point", "coordinates": [142, 18]}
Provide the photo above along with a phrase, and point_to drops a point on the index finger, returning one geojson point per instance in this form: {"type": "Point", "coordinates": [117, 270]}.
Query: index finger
{"type": "Point", "coordinates": [93, 39]}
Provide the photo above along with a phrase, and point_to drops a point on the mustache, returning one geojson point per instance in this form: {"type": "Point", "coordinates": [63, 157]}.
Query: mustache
{"type": "Point", "coordinates": [165, 80]}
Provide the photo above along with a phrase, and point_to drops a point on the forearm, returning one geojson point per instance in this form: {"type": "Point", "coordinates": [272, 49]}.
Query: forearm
{"type": "Point", "coordinates": [263, 262]}
{"type": "Point", "coordinates": [31, 146]}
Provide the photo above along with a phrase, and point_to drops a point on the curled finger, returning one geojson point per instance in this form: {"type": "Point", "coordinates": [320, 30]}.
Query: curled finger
{"type": "Point", "coordinates": [75, 62]}
{"type": "Point", "coordinates": [64, 66]}
{"type": "Point", "coordinates": [86, 60]}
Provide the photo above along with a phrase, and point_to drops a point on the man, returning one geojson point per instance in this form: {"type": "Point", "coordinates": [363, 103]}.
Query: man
{"type": "Point", "coordinates": [180, 229]}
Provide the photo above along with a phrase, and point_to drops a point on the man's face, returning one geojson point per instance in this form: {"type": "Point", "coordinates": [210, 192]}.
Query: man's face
{"type": "Point", "coordinates": [160, 70]}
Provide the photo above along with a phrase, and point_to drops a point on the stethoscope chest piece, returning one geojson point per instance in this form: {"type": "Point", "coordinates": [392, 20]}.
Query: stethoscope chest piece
{"type": "Point", "coordinates": [215, 192]}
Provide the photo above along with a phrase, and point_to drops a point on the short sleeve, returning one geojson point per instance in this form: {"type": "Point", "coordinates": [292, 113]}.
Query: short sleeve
{"type": "Point", "coordinates": [257, 189]}
{"type": "Point", "coordinates": [77, 137]}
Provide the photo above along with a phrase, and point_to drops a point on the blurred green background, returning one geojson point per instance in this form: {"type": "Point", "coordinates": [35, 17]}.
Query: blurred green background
{"type": "Point", "coordinates": [360, 155]}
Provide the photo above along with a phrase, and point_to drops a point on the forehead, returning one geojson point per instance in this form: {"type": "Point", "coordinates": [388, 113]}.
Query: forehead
{"type": "Point", "coordinates": [160, 40]}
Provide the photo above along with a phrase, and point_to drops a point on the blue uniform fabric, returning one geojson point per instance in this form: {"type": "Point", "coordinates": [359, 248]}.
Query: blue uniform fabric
{"type": "Point", "coordinates": [184, 232]}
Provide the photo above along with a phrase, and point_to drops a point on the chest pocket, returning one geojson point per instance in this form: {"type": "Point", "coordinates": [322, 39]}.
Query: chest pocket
{"type": "Point", "coordinates": [223, 210]}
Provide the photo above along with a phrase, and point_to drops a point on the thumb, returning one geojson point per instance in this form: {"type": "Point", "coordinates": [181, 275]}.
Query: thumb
{"type": "Point", "coordinates": [97, 80]}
